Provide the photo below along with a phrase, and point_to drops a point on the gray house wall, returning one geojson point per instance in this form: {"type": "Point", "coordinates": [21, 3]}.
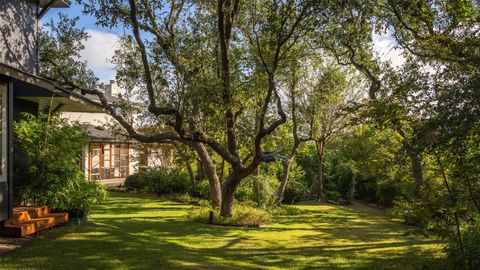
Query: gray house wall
{"type": "Point", "coordinates": [18, 34]}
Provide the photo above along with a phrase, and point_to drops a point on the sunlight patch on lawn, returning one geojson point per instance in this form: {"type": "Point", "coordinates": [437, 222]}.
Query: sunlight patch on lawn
{"type": "Point", "coordinates": [131, 231]}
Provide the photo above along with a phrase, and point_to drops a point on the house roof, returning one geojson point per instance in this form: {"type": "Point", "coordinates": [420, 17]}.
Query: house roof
{"type": "Point", "coordinates": [45, 92]}
{"type": "Point", "coordinates": [98, 133]}
{"type": "Point", "coordinates": [55, 3]}
{"type": "Point", "coordinates": [94, 98]}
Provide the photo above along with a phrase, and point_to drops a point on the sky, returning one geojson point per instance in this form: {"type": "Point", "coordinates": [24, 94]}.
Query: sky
{"type": "Point", "coordinates": [99, 49]}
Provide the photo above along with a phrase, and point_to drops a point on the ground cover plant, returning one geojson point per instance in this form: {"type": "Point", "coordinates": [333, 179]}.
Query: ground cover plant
{"type": "Point", "coordinates": [146, 232]}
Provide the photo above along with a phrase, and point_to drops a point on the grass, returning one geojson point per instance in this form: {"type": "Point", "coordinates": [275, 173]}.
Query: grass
{"type": "Point", "coordinates": [135, 232]}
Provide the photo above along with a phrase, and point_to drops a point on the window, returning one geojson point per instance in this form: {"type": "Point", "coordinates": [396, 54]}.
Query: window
{"type": "Point", "coordinates": [3, 132]}
{"type": "Point", "coordinates": [109, 160]}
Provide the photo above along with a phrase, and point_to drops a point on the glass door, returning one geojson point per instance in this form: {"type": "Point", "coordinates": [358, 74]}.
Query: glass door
{"type": "Point", "coordinates": [95, 159]}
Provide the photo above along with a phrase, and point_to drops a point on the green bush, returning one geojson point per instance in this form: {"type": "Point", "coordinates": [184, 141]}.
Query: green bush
{"type": "Point", "coordinates": [386, 193]}
{"type": "Point", "coordinates": [471, 244]}
{"type": "Point", "coordinates": [307, 160]}
{"type": "Point", "coordinates": [243, 215]}
{"type": "Point", "coordinates": [294, 191]}
{"type": "Point", "coordinates": [78, 198]}
{"type": "Point", "coordinates": [412, 212]}
{"type": "Point", "coordinates": [366, 188]}
{"type": "Point", "coordinates": [52, 176]}
{"type": "Point", "coordinates": [140, 181]}
{"type": "Point", "coordinates": [160, 180]}
{"type": "Point", "coordinates": [259, 190]}
{"type": "Point", "coordinates": [333, 195]}
{"type": "Point", "coordinates": [346, 174]}
{"type": "Point", "coordinates": [244, 191]}
{"type": "Point", "coordinates": [265, 190]}
{"type": "Point", "coordinates": [202, 190]}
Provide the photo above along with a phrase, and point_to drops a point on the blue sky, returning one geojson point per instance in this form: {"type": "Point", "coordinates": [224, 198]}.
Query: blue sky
{"type": "Point", "coordinates": [101, 46]}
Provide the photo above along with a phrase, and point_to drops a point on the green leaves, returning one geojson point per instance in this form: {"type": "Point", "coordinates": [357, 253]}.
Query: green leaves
{"type": "Point", "coordinates": [53, 176]}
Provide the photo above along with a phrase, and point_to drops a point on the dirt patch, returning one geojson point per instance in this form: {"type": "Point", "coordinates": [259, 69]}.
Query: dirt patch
{"type": "Point", "coordinates": [9, 244]}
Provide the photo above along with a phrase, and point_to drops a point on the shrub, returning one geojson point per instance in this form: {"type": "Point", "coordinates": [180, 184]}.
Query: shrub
{"type": "Point", "coordinates": [160, 180]}
{"type": "Point", "coordinates": [294, 191]}
{"type": "Point", "coordinates": [52, 176]}
{"type": "Point", "coordinates": [202, 189]}
{"type": "Point", "coordinates": [140, 181]}
{"type": "Point", "coordinates": [471, 240]}
{"type": "Point", "coordinates": [265, 188]}
{"type": "Point", "coordinates": [333, 195]}
{"type": "Point", "coordinates": [366, 188]}
{"type": "Point", "coordinates": [346, 174]}
{"type": "Point", "coordinates": [386, 193]}
{"type": "Point", "coordinates": [244, 191]}
{"type": "Point", "coordinates": [77, 200]}
{"type": "Point", "coordinates": [258, 190]}
{"type": "Point", "coordinates": [170, 181]}
{"type": "Point", "coordinates": [243, 215]}
{"type": "Point", "coordinates": [307, 160]}
{"type": "Point", "coordinates": [411, 212]}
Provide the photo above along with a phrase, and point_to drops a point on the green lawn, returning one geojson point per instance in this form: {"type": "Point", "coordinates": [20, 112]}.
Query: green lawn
{"type": "Point", "coordinates": [134, 232]}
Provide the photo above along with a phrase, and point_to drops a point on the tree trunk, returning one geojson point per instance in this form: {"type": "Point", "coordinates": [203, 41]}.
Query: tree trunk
{"type": "Point", "coordinates": [228, 190]}
{"type": "Point", "coordinates": [284, 180]}
{"type": "Point", "coordinates": [320, 152]}
{"type": "Point", "coordinates": [417, 171]}
{"type": "Point", "coordinates": [211, 174]}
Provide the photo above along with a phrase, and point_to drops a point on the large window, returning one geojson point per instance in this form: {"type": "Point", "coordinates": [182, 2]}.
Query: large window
{"type": "Point", "coordinates": [3, 132]}
{"type": "Point", "coordinates": [108, 160]}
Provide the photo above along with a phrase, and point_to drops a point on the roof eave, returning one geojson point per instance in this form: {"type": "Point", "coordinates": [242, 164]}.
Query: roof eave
{"type": "Point", "coordinates": [56, 4]}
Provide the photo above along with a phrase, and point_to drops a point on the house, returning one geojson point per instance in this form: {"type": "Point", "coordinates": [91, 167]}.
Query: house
{"type": "Point", "coordinates": [107, 158]}
{"type": "Point", "coordinates": [21, 87]}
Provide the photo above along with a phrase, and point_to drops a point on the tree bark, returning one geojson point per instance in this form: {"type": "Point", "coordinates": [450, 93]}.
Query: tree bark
{"type": "Point", "coordinates": [320, 144]}
{"type": "Point", "coordinates": [228, 190]}
{"type": "Point", "coordinates": [284, 181]}
{"type": "Point", "coordinates": [211, 173]}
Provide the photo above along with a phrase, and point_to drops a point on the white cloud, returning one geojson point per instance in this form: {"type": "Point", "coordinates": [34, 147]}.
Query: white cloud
{"type": "Point", "coordinates": [385, 46]}
{"type": "Point", "coordinates": [99, 50]}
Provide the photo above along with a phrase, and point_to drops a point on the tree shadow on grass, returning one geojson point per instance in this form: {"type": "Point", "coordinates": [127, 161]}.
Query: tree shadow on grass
{"type": "Point", "coordinates": [169, 242]}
